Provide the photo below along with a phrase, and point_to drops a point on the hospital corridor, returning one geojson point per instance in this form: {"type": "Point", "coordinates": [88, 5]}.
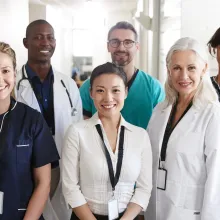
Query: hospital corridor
{"type": "Point", "coordinates": [109, 110]}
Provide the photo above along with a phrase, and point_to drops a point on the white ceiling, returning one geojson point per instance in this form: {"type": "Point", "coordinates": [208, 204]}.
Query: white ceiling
{"type": "Point", "coordinates": [109, 5]}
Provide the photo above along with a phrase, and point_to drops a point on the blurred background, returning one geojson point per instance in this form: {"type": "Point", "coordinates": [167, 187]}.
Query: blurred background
{"type": "Point", "coordinates": [81, 28]}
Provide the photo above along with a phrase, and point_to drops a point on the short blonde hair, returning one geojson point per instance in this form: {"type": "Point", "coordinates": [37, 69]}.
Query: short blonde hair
{"type": "Point", "coordinates": [205, 91]}
{"type": "Point", "coordinates": [6, 49]}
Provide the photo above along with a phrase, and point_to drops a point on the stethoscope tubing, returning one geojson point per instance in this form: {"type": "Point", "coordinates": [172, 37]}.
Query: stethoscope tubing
{"type": "Point", "coordinates": [63, 84]}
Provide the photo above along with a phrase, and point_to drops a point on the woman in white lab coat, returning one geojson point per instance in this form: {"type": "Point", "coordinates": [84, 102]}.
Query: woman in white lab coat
{"type": "Point", "coordinates": [185, 135]}
{"type": "Point", "coordinates": [104, 156]}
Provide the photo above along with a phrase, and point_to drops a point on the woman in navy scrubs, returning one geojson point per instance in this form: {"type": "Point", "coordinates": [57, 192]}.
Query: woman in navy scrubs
{"type": "Point", "coordinates": [26, 150]}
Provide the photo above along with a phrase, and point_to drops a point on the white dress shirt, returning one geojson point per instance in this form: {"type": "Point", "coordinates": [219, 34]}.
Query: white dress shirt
{"type": "Point", "coordinates": [85, 172]}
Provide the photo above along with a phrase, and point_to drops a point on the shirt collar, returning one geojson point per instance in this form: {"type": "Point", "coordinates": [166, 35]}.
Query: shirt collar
{"type": "Point", "coordinates": [31, 74]}
{"type": "Point", "coordinates": [13, 104]}
{"type": "Point", "coordinates": [95, 120]}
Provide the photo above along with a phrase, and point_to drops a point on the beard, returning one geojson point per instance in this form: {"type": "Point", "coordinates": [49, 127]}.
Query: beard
{"type": "Point", "coordinates": [121, 59]}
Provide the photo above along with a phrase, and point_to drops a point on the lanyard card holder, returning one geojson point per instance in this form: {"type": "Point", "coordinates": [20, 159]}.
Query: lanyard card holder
{"type": "Point", "coordinates": [161, 179]}
{"type": "Point", "coordinates": [113, 212]}
{"type": "Point", "coordinates": [1, 202]}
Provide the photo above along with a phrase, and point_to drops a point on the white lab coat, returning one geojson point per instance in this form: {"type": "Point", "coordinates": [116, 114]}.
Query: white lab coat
{"type": "Point", "coordinates": [56, 208]}
{"type": "Point", "coordinates": [192, 163]}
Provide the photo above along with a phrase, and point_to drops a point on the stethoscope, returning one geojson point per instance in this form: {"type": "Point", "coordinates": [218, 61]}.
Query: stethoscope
{"type": "Point", "coordinates": [73, 110]}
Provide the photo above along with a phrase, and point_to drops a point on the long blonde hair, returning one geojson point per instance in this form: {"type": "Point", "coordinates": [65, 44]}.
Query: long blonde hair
{"type": "Point", "coordinates": [205, 91]}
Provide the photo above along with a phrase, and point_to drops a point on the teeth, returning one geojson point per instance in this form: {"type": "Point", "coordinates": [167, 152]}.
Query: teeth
{"type": "Point", "coordinates": [44, 51]}
{"type": "Point", "coordinates": [184, 84]}
{"type": "Point", "coordinates": [108, 106]}
{"type": "Point", "coordinates": [2, 87]}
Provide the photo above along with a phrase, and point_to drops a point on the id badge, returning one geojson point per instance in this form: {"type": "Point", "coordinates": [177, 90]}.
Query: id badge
{"type": "Point", "coordinates": [1, 202]}
{"type": "Point", "coordinates": [161, 178]}
{"type": "Point", "coordinates": [113, 212]}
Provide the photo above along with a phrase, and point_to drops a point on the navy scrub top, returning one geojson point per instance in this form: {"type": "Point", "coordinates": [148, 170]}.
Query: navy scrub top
{"type": "Point", "coordinates": [25, 143]}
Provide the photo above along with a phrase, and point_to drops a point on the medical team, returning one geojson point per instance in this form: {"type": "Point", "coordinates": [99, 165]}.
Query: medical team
{"type": "Point", "coordinates": [109, 162]}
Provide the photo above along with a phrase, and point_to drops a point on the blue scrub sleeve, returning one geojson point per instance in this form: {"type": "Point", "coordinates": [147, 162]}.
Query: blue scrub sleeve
{"type": "Point", "coordinates": [158, 92]}
{"type": "Point", "coordinates": [86, 99]}
{"type": "Point", "coordinates": [44, 147]}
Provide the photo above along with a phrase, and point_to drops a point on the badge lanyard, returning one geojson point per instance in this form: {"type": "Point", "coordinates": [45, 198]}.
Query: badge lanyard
{"type": "Point", "coordinates": [162, 172]}
{"type": "Point", "coordinates": [113, 179]}
{"type": "Point", "coordinates": [113, 209]}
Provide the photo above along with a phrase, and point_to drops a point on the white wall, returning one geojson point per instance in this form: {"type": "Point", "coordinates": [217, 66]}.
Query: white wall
{"type": "Point", "coordinates": [200, 19]}
{"type": "Point", "coordinates": [37, 11]}
{"type": "Point", "coordinates": [13, 22]}
{"type": "Point", "coordinates": [61, 20]}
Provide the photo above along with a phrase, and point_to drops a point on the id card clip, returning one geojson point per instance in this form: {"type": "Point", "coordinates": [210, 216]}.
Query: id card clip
{"type": "Point", "coordinates": [161, 178]}
{"type": "Point", "coordinates": [113, 212]}
{"type": "Point", "coordinates": [1, 202]}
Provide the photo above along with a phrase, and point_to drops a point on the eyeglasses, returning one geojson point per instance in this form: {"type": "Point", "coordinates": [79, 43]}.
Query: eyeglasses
{"type": "Point", "coordinates": [116, 43]}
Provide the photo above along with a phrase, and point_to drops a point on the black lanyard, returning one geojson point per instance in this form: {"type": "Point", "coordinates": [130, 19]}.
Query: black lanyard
{"type": "Point", "coordinates": [113, 179]}
{"type": "Point", "coordinates": [169, 130]}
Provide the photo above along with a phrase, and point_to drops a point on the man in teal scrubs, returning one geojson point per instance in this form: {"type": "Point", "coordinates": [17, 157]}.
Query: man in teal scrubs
{"type": "Point", "coordinates": [144, 91]}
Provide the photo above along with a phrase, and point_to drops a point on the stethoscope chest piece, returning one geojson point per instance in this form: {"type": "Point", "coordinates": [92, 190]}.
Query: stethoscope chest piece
{"type": "Point", "coordinates": [73, 112]}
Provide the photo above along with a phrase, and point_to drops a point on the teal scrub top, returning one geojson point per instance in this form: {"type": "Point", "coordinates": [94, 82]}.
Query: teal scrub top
{"type": "Point", "coordinates": [143, 95]}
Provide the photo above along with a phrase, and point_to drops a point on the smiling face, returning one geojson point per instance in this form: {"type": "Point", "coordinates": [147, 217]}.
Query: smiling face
{"type": "Point", "coordinates": [108, 93]}
{"type": "Point", "coordinates": [40, 43]}
{"type": "Point", "coordinates": [121, 55]}
{"type": "Point", "coordinates": [7, 76]}
{"type": "Point", "coordinates": [185, 71]}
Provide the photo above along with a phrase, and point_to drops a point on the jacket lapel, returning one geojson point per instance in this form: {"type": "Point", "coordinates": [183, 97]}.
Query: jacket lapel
{"type": "Point", "coordinates": [163, 120]}
{"type": "Point", "coordinates": [183, 126]}
{"type": "Point", "coordinates": [26, 94]}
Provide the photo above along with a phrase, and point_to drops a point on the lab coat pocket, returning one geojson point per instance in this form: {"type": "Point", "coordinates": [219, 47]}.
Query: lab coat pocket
{"type": "Point", "coordinates": [186, 214]}
{"type": "Point", "coordinates": [23, 151]}
{"type": "Point", "coordinates": [194, 198]}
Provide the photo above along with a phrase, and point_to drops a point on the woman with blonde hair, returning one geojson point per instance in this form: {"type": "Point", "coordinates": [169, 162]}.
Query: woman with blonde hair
{"type": "Point", "coordinates": [184, 132]}
{"type": "Point", "coordinates": [27, 149]}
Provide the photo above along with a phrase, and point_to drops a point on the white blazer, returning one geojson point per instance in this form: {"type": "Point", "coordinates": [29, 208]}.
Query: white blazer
{"type": "Point", "coordinates": [55, 208]}
{"type": "Point", "coordinates": [192, 163]}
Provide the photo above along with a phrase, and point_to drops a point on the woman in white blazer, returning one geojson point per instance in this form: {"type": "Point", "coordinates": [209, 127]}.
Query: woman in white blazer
{"type": "Point", "coordinates": [185, 135]}
{"type": "Point", "coordinates": [104, 156]}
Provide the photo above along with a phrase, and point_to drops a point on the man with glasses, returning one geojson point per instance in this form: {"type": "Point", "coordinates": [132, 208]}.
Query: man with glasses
{"type": "Point", "coordinates": [144, 92]}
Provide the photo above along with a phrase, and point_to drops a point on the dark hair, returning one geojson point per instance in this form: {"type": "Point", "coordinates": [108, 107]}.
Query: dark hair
{"type": "Point", "coordinates": [108, 68]}
{"type": "Point", "coordinates": [35, 23]}
{"type": "Point", "coordinates": [123, 25]}
{"type": "Point", "coordinates": [214, 42]}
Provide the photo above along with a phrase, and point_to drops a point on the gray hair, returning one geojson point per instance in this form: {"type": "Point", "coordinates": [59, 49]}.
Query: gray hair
{"type": "Point", "coordinates": [205, 91]}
